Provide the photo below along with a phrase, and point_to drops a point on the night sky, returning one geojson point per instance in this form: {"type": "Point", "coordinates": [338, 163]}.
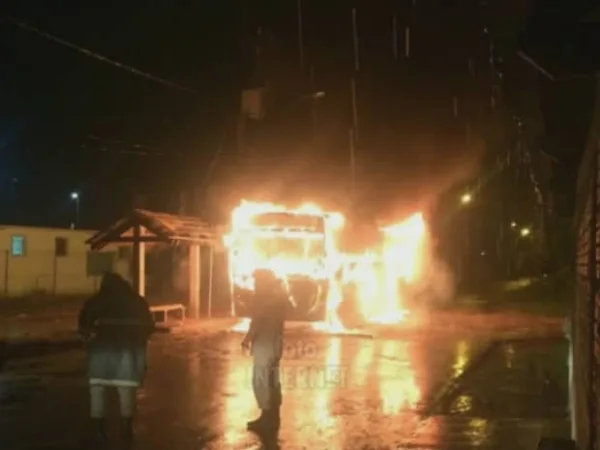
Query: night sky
{"type": "Point", "coordinates": [70, 122]}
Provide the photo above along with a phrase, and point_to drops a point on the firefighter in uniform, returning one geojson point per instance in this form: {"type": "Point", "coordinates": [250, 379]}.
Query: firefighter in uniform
{"type": "Point", "coordinates": [265, 341]}
{"type": "Point", "coordinates": [117, 324]}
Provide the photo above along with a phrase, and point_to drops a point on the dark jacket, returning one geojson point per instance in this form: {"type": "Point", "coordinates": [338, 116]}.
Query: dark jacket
{"type": "Point", "coordinates": [270, 306]}
{"type": "Point", "coordinates": [116, 314]}
{"type": "Point", "coordinates": [119, 324]}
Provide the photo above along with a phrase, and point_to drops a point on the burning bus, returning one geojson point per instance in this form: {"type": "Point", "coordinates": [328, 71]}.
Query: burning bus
{"type": "Point", "coordinates": [303, 248]}
{"type": "Point", "coordinates": [299, 246]}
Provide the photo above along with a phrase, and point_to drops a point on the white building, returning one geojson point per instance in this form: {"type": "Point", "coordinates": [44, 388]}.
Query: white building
{"type": "Point", "coordinates": [54, 261]}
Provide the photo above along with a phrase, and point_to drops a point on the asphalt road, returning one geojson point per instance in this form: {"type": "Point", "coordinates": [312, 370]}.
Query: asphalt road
{"type": "Point", "coordinates": [454, 383]}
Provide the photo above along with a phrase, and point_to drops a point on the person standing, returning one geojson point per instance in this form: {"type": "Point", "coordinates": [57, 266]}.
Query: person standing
{"type": "Point", "coordinates": [116, 323]}
{"type": "Point", "coordinates": [265, 341]}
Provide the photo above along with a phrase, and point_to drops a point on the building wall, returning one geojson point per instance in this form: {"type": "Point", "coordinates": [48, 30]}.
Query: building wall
{"type": "Point", "coordinates": [585, 338]}
{"type": "Point", "coordinates": [54, 261]}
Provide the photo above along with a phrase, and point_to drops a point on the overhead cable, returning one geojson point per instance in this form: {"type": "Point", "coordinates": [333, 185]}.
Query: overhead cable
{"type": "Point", "coordinates": [100, 57]}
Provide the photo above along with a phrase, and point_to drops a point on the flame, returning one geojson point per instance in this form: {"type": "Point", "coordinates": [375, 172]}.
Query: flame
{"type": "Point", "coordinates": [403, 250]}
{"type": "Point", "coordinates": [305, 245]}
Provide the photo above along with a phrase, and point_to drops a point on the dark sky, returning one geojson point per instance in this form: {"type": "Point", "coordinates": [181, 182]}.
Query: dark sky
{"type": "Point", "coordinates": [72, 122]}
{"type": "Point", "coordinates": [54, 98]}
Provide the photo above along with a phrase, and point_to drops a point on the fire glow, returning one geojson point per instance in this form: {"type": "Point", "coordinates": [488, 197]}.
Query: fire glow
{"type": "Point", "coordinates": [312, 251]}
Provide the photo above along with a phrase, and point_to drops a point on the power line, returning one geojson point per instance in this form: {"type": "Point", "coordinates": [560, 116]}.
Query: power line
{"type": "Point", "coordinates": [99, 57]}
{"type": "Point", "coordinates": [111, 146]}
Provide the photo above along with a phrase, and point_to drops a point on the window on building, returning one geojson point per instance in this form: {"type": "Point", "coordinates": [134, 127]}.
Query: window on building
{"type": "Point", "coordinates": [17, 246]}
{"type": "Point", "coordinates": [61, 246]}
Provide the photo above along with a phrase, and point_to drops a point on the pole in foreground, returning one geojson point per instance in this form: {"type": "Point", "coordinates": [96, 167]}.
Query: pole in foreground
{"type": "Point", "coordinates": [75, 198]}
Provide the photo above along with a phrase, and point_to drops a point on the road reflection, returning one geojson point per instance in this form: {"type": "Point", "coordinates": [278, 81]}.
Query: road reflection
{"type": "Point", "coordinates": [317, 386]}
{"type": "Point", "coordinates": [240, 405]}
{"type": "Point", "coordinates": [309, 391]}
{"type": "Point", "coordinates": [463, 356]}
{"type": "Point", "coordinates": [509, 355]}
{"type": "Point", "coordinates": [308, 384]}
{"type": "Point", "coordinates": [397, 385]}
{"type": "Point", "coordinates": [323, 389]}
{"type": "Point", "coordinates": [478, 432]}
{"type": "Point", "coordinates": [362, 372]}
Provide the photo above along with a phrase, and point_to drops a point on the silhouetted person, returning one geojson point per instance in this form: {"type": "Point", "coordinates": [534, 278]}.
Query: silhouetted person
{"type": "Point", "coordinates": [117, 322]}
{"type": "Point", "coordinates": [265, 340]}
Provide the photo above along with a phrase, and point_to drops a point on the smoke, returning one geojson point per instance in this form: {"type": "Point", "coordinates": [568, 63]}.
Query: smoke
{"type": "Point", "coordinates": [429, 169]}
{"type": "Point", "coordinates": [439, 166]}
{"type": "Point", "coordinates": [391, 182]}
{"type": "Point", "coordinates": [459, 167]}
{"type": "Point", "coordinates": [438, 284]}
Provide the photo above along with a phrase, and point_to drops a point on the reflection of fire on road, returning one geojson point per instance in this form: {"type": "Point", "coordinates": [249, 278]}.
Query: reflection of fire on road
{"type": "Point", "coordinates": [301, 246]}
{"type": "Point", "coordinates": [398, 388]}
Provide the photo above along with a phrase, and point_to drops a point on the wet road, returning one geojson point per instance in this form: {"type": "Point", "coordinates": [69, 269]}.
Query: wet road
{"type": "Point", "coordinates": [340, 392]}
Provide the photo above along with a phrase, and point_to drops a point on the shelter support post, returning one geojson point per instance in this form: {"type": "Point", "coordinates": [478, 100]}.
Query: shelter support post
{"type": "Point", "coordinates": [139, 261]}
{"type": "Point", "coordinates": [210, 279]}
{"type": "Point", "coordinates": [194, 281]}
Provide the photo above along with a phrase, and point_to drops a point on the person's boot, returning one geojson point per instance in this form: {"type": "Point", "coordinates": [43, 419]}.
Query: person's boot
{"type": "Point", "coordinates": [258, 424]}
{"type": "Point", "coordinates": [267, 424]}
{"type": "Point", "coordinates": [127, 430]}
{"type": "Point", "coordinates": [98, 438]}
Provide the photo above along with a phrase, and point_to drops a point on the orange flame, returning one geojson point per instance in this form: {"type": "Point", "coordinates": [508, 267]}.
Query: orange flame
{"type": "Point", "coordinates": [307, 249]}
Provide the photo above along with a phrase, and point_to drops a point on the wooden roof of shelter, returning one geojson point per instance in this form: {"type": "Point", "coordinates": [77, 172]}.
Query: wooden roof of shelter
{"type": "Point", "coordinates": [158, 227]}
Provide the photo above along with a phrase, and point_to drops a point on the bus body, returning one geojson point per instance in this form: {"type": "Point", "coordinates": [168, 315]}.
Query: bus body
{"type": "Point", "coordinates": [298, 248]}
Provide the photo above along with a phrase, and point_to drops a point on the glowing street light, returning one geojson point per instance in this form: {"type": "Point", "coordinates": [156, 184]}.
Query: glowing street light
{"type": "Point", "coordinates": [75, 198]}
{"type": "Point", "coordinates": [525, 232]}
{"type": "Point", "coordinates": [466, 198]}
{"type": "Point", "coordinates": [513, 224]}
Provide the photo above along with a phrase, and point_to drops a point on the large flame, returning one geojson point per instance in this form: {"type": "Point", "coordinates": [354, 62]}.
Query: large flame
{"type": "Point", "coordinates": [302, 247]}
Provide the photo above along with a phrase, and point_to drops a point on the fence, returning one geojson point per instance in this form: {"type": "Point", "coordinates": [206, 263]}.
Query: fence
{"type": "Point", "coordinates": [42, 272]}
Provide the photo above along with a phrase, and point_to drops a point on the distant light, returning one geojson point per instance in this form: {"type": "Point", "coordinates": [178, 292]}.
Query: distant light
{"type": "Point", "coordinates": [74, 195]}
{"type": "Point", "coordinates": [482, 253]}
{"type": "Point", "coordinates": [466, 199]}
{"type": "Point", "coordinates": [319, 94]}
{"type": "Point", "coordinates": [513, 224]}
{"type": "Point", "coordinates": [525, 232]}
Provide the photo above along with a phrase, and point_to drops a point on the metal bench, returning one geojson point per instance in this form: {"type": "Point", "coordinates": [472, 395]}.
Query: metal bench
{"type": "Point", "coordinates": [164, 310]}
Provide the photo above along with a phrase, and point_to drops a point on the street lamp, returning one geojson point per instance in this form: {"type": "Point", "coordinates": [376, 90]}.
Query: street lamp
{"type": "Point", "coordinates": [466, 198]}
{"type": "Point", "coordinates": [75, 198]}
{"type": "Point", "coordinates": [525, 232]}
{"type": "Point", "coordinates": [513, 224]}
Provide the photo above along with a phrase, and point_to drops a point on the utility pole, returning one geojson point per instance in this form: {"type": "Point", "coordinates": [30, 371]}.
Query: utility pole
{"type": "Point", "coordinates": [300, 35]}
{"type": "Point", "coordinates": [354, 107]}
{"type": "Point", "coordinates": [356, 70]}
{"type": "Point", "coordinates": [352, 163]}
{"type": "Point", "coordinates": [182, 203]}
{"type": "Point", "coordinates": [313, 105]}
{"type": "Point", "coordinates": [395, 37]}
{"type": "Point", "coordinates": [353, 133]}
{"type": "Point", "coordinates": [355, 41]}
